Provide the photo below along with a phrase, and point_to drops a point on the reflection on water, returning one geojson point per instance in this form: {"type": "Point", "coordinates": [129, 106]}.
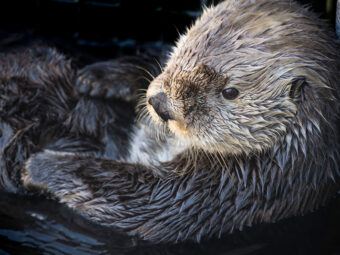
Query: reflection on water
{"type": "Point", "coordinates": [35, 225]}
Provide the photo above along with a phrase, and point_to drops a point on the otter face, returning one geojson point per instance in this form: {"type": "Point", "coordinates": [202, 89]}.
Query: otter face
{"type": "Point", "coordinates": [205, 108]}
{"type": "Point", "coordinates": [232, 81]}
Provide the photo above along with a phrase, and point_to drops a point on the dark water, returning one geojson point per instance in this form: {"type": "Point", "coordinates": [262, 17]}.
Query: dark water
{"type": "Point", "coordinates": [39, 226]}
{"type": "Point", "coordinates": [102, 29]}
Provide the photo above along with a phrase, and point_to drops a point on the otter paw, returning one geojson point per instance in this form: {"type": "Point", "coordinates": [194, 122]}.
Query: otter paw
{"type": "Point", "coordinates": [45, 172]}
{"type": "Point", "coordinates": [51, 172]}
{"type": "Point", "coordinates": [103, 80]}
{"type": "Point", "coordinates": [35, 174]}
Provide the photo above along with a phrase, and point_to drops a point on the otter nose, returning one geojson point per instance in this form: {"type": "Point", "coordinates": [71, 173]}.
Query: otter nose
{"type": "Point", "coordinates": [159, 104]}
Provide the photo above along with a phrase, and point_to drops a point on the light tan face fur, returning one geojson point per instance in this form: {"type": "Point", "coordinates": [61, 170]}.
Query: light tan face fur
{"type": "Point", "coordinates": [259, 54]}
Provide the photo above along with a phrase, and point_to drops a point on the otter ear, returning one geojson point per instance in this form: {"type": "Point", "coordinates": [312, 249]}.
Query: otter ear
{"type": "Point", "coordinates": [298, 89]}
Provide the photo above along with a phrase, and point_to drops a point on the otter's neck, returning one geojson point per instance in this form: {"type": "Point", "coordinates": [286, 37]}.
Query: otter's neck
{"type": "Point", "coordinates": [149, 148]}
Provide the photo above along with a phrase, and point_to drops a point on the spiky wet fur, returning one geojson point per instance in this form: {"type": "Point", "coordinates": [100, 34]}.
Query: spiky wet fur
{"type": "Point", "coordinates": [220, 165]}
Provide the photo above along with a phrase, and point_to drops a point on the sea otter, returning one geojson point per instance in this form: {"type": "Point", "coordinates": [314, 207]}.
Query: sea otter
{"type": "Point", "coordinates": [238, 129]}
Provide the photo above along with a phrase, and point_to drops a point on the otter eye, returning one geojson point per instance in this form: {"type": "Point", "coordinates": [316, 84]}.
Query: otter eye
{"type": "Point", "coordinates": [230, 93]}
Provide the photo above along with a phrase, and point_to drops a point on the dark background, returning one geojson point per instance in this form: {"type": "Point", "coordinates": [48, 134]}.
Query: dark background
{"type": "Point", "coordinates": [107, 27]}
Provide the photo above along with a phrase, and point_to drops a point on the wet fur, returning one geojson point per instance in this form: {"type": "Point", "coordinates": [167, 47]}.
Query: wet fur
{"type": "Point", "coordinates": [41, 108]}
{"type": "Point", "coordinates": [269, 155]}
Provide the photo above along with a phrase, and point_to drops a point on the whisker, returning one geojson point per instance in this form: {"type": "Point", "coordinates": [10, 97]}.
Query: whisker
{"type": "Point", "coordinates": [159, 65]}
{"type": "Point", "coordinates": [147, 71]}
{"type": "Point", "coordinates": [142, 90]}
{"type": "Point", "coordinates": [145, 78]}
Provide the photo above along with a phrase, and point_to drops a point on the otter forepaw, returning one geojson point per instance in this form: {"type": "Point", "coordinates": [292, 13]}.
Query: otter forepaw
{"type": "Point", "coordinates": [105, 80]}
{"type": "Point", "coordinates": [35, 174]}
{"type": "Point", "coordinates": [57, 174]}
{"type": "Point", "coordinates": [44, 172]}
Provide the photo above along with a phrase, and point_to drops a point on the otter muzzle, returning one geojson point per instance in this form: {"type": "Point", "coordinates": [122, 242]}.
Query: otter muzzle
{"type": "Point", "coordinates": [159, 104]}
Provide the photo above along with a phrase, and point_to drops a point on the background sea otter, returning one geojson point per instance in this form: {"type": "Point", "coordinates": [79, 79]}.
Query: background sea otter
{"type": "Point", "coordinates": [284, 105]}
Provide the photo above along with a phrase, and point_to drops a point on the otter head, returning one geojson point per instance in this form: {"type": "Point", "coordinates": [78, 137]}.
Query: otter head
{"type": "Point", "coordinates": [205, 108]}
{"type": "Point", "coordinates": [234, 83]}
